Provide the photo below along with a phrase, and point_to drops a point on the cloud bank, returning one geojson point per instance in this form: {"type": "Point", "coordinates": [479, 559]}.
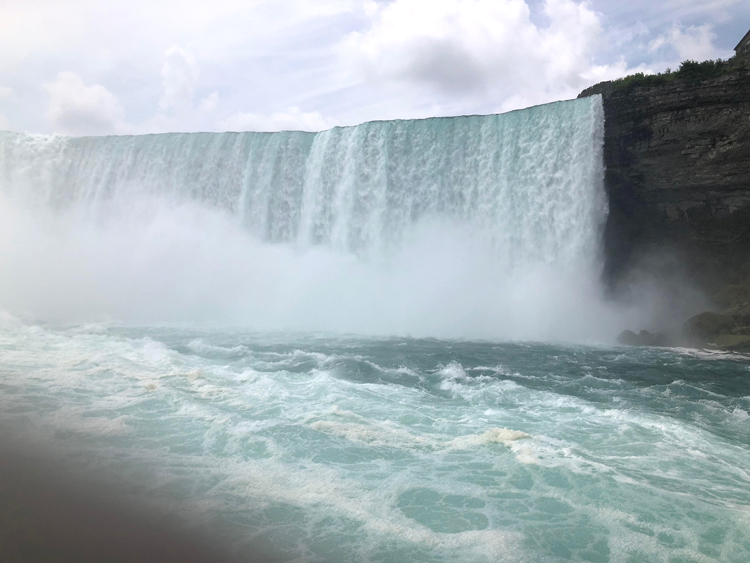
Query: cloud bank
{"type": "Point", "coordinates": [82, 110]}
{"type": "Point", "coordinates": [482, 49]}
{"type": "Point", "coordinates": [88, 68]}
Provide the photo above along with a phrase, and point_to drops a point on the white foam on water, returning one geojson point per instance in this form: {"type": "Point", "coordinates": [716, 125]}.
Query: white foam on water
{"type": "Point", "coordinates": [493, 435]}
{"type": "Point", "coordinates": [707, 354]}
{"type": "Point", "coordinates": [202, 347]}
{"type": "Point", "coordinates": [456, 380]}
{"type": "Point", "coordinates": [376, 511]}
{"type": "Point", "coordinates": [75, 419]}
{"type": "Point", "coordinates": [401, 370]}
{"type": "Point", "coordinates": [238, 440]}
{"type": "Point", "coordinates": [376, 436]}
{"type": "Point", "coordinates": [453, 370]}
{"type": "Point", "coordinates": [387, 434]}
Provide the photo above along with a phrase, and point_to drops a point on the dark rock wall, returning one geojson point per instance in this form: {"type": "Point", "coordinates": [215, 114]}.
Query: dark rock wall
{"type": "Point", "coordinates": [677, 162]}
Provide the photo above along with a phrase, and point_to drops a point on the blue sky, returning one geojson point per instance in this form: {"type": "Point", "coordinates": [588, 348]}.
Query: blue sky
{"type": "Point", "coordinates": [86, 67]}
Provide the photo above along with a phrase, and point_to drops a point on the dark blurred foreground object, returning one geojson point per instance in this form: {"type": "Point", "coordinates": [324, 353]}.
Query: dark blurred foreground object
{"type": "Point", "coordinates": [50, 512]}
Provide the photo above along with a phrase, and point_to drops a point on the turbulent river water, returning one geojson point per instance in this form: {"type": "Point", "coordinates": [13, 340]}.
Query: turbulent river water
{"type": "Point", "coordinates": [382, 343]}
{"type": "Point", "coordinates": [343, 448]}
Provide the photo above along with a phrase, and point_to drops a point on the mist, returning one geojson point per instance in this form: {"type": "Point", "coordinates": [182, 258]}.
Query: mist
{"type": "Point", "coordinates": [164, 264]}
{"type": "Point", "coordinates": [470, 227]}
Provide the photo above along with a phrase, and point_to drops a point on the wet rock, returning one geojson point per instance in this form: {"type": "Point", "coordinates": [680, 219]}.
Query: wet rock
{"type": "Point", "coordinates": [653, 338]}
{"type": "Point", "coordinates": [725, 331]}
{"type": "Point", "coordinates": [742, 313]}
{"type": "Point", "coordinates": [643, 338]}
{"type": "Point", "coordinates": [677, 175]}
{"type": "Point", "coordinates": [629, 338]}
{"type": "Point", "coordinates": [708, 325]}
{"type": "Point", "coordinates": [734, 342]}
{"type": "Point", "coordinates": [732, 296]}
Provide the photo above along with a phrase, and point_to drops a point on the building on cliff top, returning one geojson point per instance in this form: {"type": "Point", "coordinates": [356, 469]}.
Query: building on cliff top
{"type": "Point", "coordinates": [743, 47]}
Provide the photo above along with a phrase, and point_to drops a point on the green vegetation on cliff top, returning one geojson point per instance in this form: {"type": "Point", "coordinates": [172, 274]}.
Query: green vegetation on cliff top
{"type": "Point", "coordinates": [691, 72]}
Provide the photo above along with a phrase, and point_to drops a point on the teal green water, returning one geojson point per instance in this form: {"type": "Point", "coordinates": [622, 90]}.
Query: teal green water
{"type": "Point", "coordinates": [318, 448]}
{"type": "Point", "coordinates": [336, 448]}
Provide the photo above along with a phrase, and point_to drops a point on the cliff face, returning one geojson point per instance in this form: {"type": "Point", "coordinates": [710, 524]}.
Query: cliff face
{"type": "Point", "coordinates": [677, 162]}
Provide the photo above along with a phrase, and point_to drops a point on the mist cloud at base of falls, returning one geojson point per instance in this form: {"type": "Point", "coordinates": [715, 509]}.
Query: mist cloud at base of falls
{"type": "Point", "coordinates": [477, 227]}
{"type": "Point", "coordinates": [194, 264]}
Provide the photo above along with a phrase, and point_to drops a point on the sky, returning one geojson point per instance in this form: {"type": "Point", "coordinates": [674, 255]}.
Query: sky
{"type": "Point", "coordinates": [88, 67]}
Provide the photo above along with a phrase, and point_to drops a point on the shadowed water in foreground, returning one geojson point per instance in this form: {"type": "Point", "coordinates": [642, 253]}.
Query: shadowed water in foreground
{"type": "Point", "coordinates": [53, 510]}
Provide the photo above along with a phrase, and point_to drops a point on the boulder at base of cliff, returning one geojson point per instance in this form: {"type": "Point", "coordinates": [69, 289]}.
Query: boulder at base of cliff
{"type": "Point", "coordinates": [743, 314]}
{"type": "Point", "coordinates": [653, 338]}
{"type": "Point", "coordinates": [732, 296]}
{"type": "Point", "coordinates": [629, 338]}
{"type": "Point", "coordinates": [735, 342]}
{"type": "Point", "coordinates": [705, 326]}
{"type": "Point", "coordinates": [644, 338]}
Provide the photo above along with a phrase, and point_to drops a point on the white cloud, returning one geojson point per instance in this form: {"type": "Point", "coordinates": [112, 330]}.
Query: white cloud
{"type": "Point", "coordinates": [28, 29]}
{"type": "Point", "coordinates": [209, 103]}
{"type": "Point", "coordinates": [406, 58]}
{"type": "Point", "coordinates": [179, 75]}
{"type": "Point", "coordinates": [291, 120]}
{"type": "Point", "coordinates": [78, 109]}
{"type": "Point", "coordinates": [5, 92]}
{"type": "Point", "coordinates": [696, 43]}
{"type": "Point", "coordinates": [600, 73]}
{"type": "Point", "coordinates": [478, 48]}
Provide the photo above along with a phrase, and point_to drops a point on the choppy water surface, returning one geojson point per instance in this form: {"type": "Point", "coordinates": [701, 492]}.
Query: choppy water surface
{"type": "Point", "coordinates": [347, 449]}
{"type": "Point", "coordinates": [343, 449]}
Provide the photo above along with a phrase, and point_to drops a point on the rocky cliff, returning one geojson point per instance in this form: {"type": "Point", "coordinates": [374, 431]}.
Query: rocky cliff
{"type": "Point", "coordinates": [677, 157]}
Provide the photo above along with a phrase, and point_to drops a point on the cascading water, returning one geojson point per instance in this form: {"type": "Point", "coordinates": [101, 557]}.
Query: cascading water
{"type": "Point", "coordinates": [493, 220]}
{"type": "Point", "coordinates": [530, 179]}
{"type": "Point", "coordinates": [143, 279]}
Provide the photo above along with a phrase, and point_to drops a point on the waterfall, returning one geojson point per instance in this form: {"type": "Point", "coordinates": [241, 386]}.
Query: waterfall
{"type": "Point", "coordinates": [517, 191]}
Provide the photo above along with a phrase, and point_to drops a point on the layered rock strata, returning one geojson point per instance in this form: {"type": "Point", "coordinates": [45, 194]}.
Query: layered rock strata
{"type": "Point", "coordinates": [677, 159]}
{"type": "Point", "coordinates": [726, 329]}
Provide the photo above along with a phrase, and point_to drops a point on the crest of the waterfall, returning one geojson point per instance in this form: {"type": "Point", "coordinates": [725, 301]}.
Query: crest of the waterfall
{"type": "Point", "coordinates": [408, 212]}
{"type": "Point", "coordinates": [528, 180]}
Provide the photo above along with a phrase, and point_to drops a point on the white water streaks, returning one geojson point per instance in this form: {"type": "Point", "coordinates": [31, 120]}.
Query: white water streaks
{"type": "Point", "coordinates": [353, 449]}
{"type": "Point", "coordinates": [530, 179]}
{"type": "Point", "coordinates": [482, 226]}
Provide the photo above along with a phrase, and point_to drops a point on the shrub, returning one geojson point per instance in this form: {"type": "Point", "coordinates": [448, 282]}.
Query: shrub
{"type": "Point", "coordinates": [691, 72]}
